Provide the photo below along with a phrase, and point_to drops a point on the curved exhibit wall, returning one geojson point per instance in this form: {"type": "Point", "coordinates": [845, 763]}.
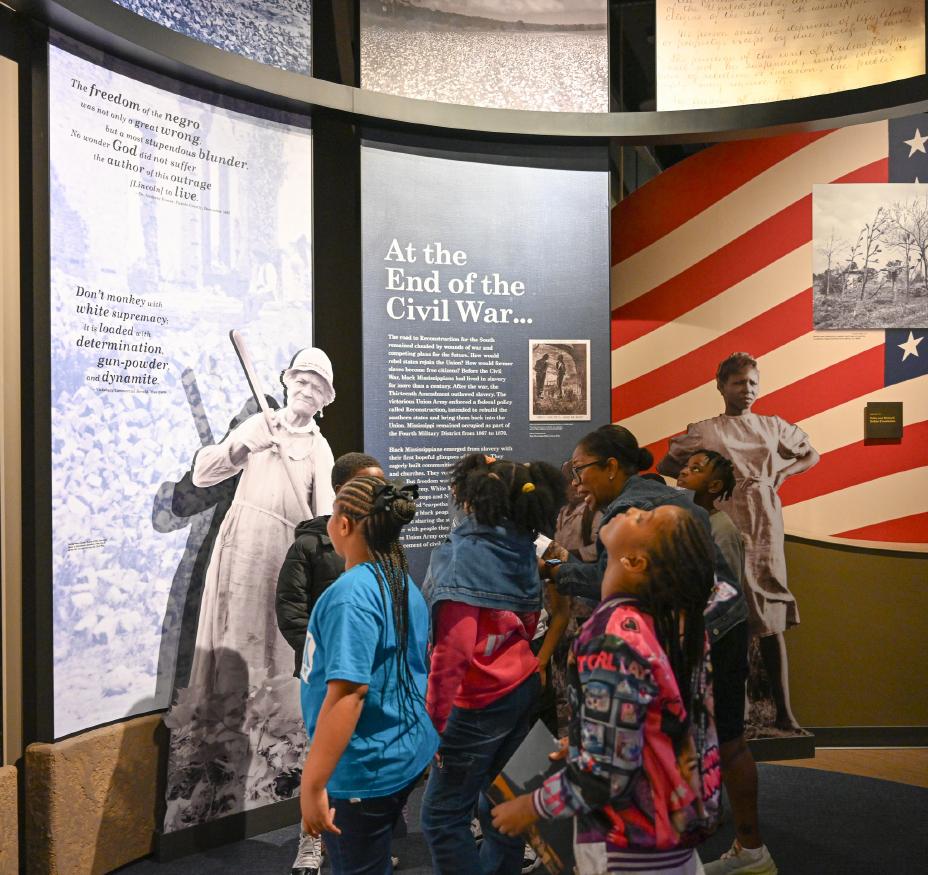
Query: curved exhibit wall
{"type": "Point", "coordinates": [486, 294]}
{"type": "Point", "coordinates": [279, 34]}
{"type": "Point", "coordinates": [173, 220]}
{"type": "Point", "coordinates": [716, 255]}
{"type": "Point", "coordinates": [132, 37]}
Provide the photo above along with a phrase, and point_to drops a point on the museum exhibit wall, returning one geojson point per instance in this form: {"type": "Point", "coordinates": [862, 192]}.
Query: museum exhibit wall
{"type": "Point", "coordinates": [861, 611]}
{"type": "Point", "coordinates": [181, 199]}
{"type": "Point", "coordinates": [720, 254]}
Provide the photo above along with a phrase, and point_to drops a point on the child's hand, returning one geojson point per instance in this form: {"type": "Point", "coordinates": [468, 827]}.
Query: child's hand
{"type": "Point", "coordinates": [556, 551]}
{"type": "Point", "coordinates": [561, 753]}
{"type": "Point", "coordinates": [514, 817]}
{"type": "Point", "coordinates": [317, 816]}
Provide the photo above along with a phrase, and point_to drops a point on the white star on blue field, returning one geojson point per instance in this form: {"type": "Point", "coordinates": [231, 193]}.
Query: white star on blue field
{"type": "Point", "coordinates": [908, 148]}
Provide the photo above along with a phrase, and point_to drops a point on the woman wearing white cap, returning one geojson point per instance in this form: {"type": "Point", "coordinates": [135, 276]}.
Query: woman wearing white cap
{"type": "Point", "coordinates": [238, 612]}
{"type": "Point", "coordinates": [242, 667]}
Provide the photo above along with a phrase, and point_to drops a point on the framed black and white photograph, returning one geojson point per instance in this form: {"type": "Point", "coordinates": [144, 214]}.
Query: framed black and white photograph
{"type": "Point", "coordinates": [559, 380]}
{"type": "Point", "coordinates": [870, 256]}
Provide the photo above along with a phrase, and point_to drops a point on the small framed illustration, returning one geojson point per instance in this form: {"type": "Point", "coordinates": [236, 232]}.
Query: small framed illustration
{"type": "Point", "coordinates": [559, 380]}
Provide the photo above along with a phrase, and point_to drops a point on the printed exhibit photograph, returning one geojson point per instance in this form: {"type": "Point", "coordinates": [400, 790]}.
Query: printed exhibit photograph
{"type": "Point", "coordinates": [242, 698]}
{"type": "Point", "coordinates": [560, 380]}
{"type": "Point", "coordinates": [870, 256]}
{"type": "Point", "coordinates": [269, 31]}
{"type": "Point", "coordinates": [550, 55]}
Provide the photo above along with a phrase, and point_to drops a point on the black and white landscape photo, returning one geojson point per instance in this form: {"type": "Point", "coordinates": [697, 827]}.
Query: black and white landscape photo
{"type": "Point", "coordinates": [870, 256]}
{"type": "Point", "coordinates": [274, 32]}
{"type": "Point", "coordinates": [514, 54]}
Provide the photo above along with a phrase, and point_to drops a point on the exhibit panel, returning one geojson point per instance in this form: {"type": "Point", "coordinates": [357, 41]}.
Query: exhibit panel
{"type": "Point", "coordinates": [721, 284]}
{"type": "Point", "coordinates": [717, 255]}
{"type": "Point", "coordinates": [173, 221]}
{"type": "Point", "coordinates": [724, 53]}
{"type": "Point", "coordinates": [508, 54]}
{"type": "Point", "coordinates": [485, 330]}
{"type": "Point", "coordinates": [279, 34]}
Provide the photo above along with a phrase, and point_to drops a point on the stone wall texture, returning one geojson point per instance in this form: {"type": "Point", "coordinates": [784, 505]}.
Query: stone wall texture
{"type": "Point", "coordinates": [93, 802]}
{"type": "Point", "coordinates": [9, 822]}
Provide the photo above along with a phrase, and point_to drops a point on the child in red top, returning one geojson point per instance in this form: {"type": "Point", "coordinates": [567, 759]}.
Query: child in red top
{"type": "Point", "coordinates": [484, 593]}
{"type": "Point", "coordinates": [480, 654]}
{"type": "Point", "coordinates": [642, 771]}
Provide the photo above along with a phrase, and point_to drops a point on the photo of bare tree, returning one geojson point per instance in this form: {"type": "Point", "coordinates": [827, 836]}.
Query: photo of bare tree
{"type": "Point", "coordinates": [870, 256]}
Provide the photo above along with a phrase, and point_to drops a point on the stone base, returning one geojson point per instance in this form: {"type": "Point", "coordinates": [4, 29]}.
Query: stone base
{"type": "Point", "coordinates": [9, 822]}
{"type": "Point", "coordinates": [94, 801]}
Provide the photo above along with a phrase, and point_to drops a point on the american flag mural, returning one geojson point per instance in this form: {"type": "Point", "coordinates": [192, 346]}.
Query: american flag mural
{"type": "Point", "coordinates": [715, 256]}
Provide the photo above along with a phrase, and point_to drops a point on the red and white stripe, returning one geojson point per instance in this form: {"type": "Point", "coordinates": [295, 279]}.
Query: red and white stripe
{"type": "Point", "coordinates": [714, 256]}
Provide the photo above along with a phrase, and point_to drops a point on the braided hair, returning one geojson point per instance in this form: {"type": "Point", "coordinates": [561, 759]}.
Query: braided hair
{"type": "Point", "coordinates": [722, 469]}
{"type": "Point", "coordinates": [382, 509]}
{"type": "Point", "coordinates": [681, 580]}
{"type": "Point", "coordinates": [527, 495]}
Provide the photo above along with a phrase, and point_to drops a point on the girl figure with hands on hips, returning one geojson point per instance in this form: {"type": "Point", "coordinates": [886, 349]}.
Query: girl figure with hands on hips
{"type": "Point", "coordinates": [764, 451]}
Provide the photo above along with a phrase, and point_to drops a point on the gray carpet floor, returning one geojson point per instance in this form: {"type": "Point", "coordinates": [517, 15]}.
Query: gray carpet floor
{"type": "Point", "coordinates": [814, 822]}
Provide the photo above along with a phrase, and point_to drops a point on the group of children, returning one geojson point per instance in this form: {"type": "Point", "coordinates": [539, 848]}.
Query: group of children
{"type": "Point", "coordinates": [398, 681]}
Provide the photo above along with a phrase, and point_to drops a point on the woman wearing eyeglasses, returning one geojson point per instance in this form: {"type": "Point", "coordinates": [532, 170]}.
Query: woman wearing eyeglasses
{"type": "Point", "coordinates": [604, 471]}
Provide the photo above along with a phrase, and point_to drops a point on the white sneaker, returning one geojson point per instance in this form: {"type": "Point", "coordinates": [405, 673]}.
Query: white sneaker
{"type": "Point", "coordinates": [530, 860]}
{"type": "Point", "coordinates": [308, 855]}
{"type": "Point", "coordinates": [747, 861]}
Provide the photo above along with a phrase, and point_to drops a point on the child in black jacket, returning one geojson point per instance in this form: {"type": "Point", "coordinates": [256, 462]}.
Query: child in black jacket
{"type": "Point", "coordinates": [311, 564]}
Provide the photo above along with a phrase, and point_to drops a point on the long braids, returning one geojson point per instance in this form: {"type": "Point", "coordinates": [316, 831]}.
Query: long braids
{"type": "Point", "coordinates": [383, 510]}
{"type": "Point", "coordinates": [681, 581]}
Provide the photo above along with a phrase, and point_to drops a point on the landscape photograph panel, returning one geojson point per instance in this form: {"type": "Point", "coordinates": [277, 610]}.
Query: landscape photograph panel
{"type": "Point", "coordinates": [870, 255]}
{"type": "Point", "coordinates": [550, 55]}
